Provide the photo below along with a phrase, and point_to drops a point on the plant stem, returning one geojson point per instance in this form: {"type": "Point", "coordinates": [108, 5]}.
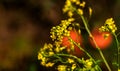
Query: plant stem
{"type": "Point", "coordinates": [87, 54]}
{"type": "Point", "coordinates": [118, 50]}
{"type": "Point", "coordinates": [67, 55]}
{"type": "Point", "coordinates": [79, 60]}
{"type": "Point", "coordinates": [86, 26]}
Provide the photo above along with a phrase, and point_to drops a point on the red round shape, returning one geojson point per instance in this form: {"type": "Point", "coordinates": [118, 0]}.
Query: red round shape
{"type": "Point", "coordinates": [100, 39]}
{"type": "Point", "coordinates": [76, 37]}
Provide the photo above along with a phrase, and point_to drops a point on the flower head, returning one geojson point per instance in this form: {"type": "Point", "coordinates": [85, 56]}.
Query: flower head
{"type": "Point", "coordinates": [90, 11]}
{"type": "Point", "coordinates": [70, 60]}
{"type": "Point", "coordinates": [49, 64]}
{"type": "Point", "coordinates": [61, 30]}
{"type": "Point", "coordinates": [109, 26]}
{"type": "Point", "coordinates": [61, 67]}
{"type": "Point", "coordinates": [72, 6]}
{"type": "Point", "coordinates": [73, 66]}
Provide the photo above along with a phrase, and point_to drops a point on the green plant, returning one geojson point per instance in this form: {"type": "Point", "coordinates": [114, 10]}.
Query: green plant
{"type": "Point", "coordinates": [57, 54]}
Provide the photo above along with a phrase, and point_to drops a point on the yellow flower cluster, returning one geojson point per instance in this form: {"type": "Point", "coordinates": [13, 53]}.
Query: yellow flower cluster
{"type": "Point", "coordinates": [61, 30]}
{"type": "Point", "coordinates": [109, 26]}
{"type": "Point", "coordinates": [69, 7]}
{"type": "Point", "coordinates": [50, 51]}
{"type": "Point", "coordinates": [50, 54]}
{"type": "Point", "coordinates": [47, 52]}
{"type": "Point", "coordinates": [42, 55]}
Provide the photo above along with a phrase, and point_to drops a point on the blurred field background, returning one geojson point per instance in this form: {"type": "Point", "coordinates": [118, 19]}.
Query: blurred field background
{"type": "Point", "coordinates": [25, 27]}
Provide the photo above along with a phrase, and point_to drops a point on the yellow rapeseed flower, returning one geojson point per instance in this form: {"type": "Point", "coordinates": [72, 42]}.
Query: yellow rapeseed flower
{"type": "Point", "coordinates": [109, 26]}
{"type": "Point", "coordinates": [70, 60]}
{"type": "Point", "coordinates": [71, 19]}
{"type": "Point", "coordinates": [109, 21]}
{"type": "Point", "coordinates": [62, 48]}
{"type": "Point", "coordinates": [83, 4]}
{"type": "Point", "coordinates": [40, 56]}
{"type": "Point", "coordinates": [57, 49]}
{"type": "Point", "coordinates": [90, 11]}
{"type": "Point", "coordinates": [51, 53]}
{"type": "Point", "coordinates": [70, 14]}
{"type": "Point", "coordinates": [45, 46]}
{"type": "Point", "coordinates": [49, 64]}
{"type": "Point", "coordinates": [77, 2]}
{"type": "Point", "coordinates": [61, 67]}
{"type": "Point", "coordinates": [73, 66]}
{"type": "Point", "coordinates": [61, 30]}
{"type": "Point", "coordinates": [88, 63]}
{"type": "Point", "coordinates": [68, 2]}
{"type": "Point", "coordinates": [43, 63]}
{"type": "Point", "coordinates": [80, 11]}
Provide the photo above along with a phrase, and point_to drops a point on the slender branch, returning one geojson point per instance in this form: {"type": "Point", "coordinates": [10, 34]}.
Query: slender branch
{"type": "Point", "coordinates": [118, 50]}
{"type": "Point", "coordinates": [79, 60]}
{"type": "Point", "coordinates": [86, 26]}
{"type": "Point", "coordinates": [86, 53]}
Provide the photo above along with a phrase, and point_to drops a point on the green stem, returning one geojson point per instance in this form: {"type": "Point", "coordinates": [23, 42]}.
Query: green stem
{"type": "Point", "coordinates": [118, 50]}
{"type": "Point", "coordinates": [87, 54]}
{"type": "Point", "coordinates": [72, 56]}
{"type": "Point", "coordinates": [79, 60]}
{"type": "Point", "coordinates": [86, 26]}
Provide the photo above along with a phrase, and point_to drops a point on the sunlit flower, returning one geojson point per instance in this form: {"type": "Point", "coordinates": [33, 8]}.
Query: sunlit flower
{"type": "Point", "coordinates": [49, 64]}
{"type": "Point", "coordinates": [70, 13]}
{"type": "Point", "coordinates": [77, 2]}
{"type": "Point", "coordinates": [62, 48]}
{"type": "Point", "coordinates": [109, 26]}
{"type": "Point", "coordinates": [83, 4]}
{"type": "Point", "coordinates": [40, 56]}
{"type": "Point", "coordinates": [57, 49]}
{"type": "Point", "coordinates": [58, 32]}
{"type": "Point", "coordinates": [71, 19]}
{"type": "Point", "coordinates": [90, 11]}
{"type": "Point", "coordinates": [70, 60]}
{"type": "Point", "coordinates": [62, 68]}
{"type": "Point", "coordinates": [43, 63]}
{"type": "Point", "coordinates": [89, 63]}
{"type": "Point", "coordinates": [109, 21]}
{"type": "Point", "coordinates": [80, 11]}
{"type": "Point", "coordinates": [51, 53]}
{"type": "Point", "coordinates": [73, 66]}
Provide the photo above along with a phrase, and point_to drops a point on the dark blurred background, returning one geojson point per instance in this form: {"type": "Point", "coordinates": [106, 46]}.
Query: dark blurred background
{"type": "Point", "coordinates": [25, 27]}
